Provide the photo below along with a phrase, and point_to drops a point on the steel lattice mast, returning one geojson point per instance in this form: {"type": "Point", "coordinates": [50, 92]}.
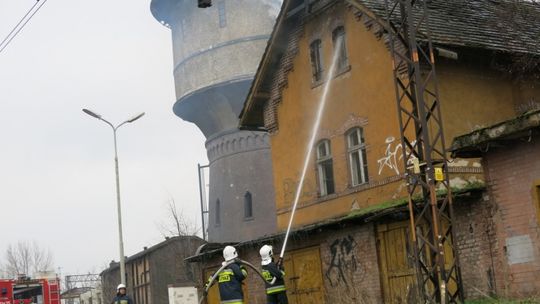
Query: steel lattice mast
{"type": "Point", "coordinates": [424, 153]}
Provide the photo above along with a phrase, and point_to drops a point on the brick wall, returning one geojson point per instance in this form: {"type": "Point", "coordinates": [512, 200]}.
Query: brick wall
{"type": "Point", "coordinates": [483, 222]}
{"type": "Point", "coordinates": [511, 172]}
{"type": "Point", "coordinates": [360, 283]}
{"type": "Point", "coordinates": [476, 242]}
{"type": "Point", "coordinates": [349, 264]}
{"type": "Point", "coordinates": [167, 266]}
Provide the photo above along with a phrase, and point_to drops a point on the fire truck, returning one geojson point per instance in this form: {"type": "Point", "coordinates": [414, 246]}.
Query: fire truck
{"type": "Point", "coordinates": [30, 291]}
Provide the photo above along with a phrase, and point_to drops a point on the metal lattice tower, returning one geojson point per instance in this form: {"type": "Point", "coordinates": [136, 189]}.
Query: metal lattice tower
{"type": "Point", "coordinates": [421, 128]}
{"type": "Point", "coordinates": [82, 280]}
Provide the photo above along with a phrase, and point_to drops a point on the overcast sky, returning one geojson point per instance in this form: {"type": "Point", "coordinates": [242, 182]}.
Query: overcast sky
{"type": "Point", "coordinates": [56, 163]}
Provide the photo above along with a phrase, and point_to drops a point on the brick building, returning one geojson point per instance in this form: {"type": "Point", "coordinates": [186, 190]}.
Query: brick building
{"type": "Point", "coordinates": [151, 271]}
{"type": "Point", "coordinates": [510, 153]}
{"type": "Point", "coordinates": [350, 242]}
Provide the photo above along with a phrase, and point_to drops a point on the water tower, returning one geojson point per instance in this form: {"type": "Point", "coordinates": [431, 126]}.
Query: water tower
{"type": "Point", "coordinates": [216, 53]}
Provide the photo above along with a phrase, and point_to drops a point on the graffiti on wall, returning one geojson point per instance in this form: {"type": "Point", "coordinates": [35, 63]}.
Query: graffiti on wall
{"type": "Point", "coordinates": [392, 155]}
{"type": "Point", "coordinates": [343, 261]}
{"type": "Point", "coordinates": [290, 186]}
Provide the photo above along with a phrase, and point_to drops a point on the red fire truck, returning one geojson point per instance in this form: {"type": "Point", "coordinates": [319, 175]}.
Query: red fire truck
{"type": "Point", "coordinates": [30, 291]}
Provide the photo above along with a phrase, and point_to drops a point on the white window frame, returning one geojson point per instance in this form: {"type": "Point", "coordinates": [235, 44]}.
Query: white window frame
{"type": "Point", "coordinates": [357, 178]}
{"type": "Point", "coordinates": [321, 161]}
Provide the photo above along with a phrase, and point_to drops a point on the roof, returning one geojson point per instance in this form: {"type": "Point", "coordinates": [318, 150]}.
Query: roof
{"type": "Point", "coordinates": [474, 144]}
{"type": "Point", "coordinates": [500, 25]}
{"type": "Point", "coordinates": [146, 251]}
{"type": "Point", "coordinates": [74, 292]}
{"type": "Point", "coordinates": [508, 26]}
{"type": "Point", "coordinates": [393, 208]}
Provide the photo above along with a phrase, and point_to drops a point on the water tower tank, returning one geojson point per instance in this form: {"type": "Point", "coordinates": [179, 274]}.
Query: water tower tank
{"type": "Point", "coordinates": [216, 53]}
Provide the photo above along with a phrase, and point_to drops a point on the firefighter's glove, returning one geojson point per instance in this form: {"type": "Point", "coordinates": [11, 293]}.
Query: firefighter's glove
{"type": "Point", "coordinates": [279, 263]}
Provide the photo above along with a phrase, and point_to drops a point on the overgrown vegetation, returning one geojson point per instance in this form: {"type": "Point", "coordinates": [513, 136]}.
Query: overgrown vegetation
{"type": "Point", "coordinates": [396, 203]}
{"type": "Point", "coordinates": [503, 301]}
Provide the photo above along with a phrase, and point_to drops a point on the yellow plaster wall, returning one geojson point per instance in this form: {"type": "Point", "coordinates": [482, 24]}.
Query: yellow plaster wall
{"type": "Point", "coordinates": [364, 96]}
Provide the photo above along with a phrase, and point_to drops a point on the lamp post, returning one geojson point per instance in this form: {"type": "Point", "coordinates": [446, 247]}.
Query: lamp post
{"type": "Point", "coordinates": [118, 205]}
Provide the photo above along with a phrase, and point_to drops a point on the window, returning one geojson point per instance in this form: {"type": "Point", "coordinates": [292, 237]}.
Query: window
{"type": "Point", "coordinates": [248, 205]}
{"type": "Point", "coordinates": [325, 168]}
{"type": "Point", "coordinates": [356, 148]}
{"type": "Point", "coordinates": [140, 278]}
{"type": "Point", "coordinates": [222, 14]}
{"type": "Point", "coordinates": [338, 38]}
{"type": "Point", "coordinates": [315, 50]}
{"type": "Point", "coordinates": [218, 213]}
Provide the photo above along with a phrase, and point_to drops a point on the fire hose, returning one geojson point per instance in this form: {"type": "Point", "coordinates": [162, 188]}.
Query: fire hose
{"type": "Point", "coordinates": [213, 278]}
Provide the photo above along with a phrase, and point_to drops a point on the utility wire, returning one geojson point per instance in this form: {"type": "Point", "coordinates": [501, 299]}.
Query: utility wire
{"type": "Point", "coordinates": [21, 21]}
{"type": "Point", "coordinates": [15, 31]}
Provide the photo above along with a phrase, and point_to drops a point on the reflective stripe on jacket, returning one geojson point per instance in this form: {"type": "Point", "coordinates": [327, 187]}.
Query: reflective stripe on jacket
{"type": "Point", "coordinates": [230, 284]}
{"type": "Point", "coordinates": [270, 272]}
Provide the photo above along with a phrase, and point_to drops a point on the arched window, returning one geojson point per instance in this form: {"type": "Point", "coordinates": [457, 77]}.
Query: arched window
{"type": "Point", "coordinates": [356, 148]}
{"type": "Point", "coordinates": [218, 213]}
{"type": "Point", "coordinates": [315, 53]}
{"type": "Point", "coordinates": [248, 205]}
{"type": "Point", "coordinates": [325, 168]}
{"type": "Point", "coordinates": [338, 38]}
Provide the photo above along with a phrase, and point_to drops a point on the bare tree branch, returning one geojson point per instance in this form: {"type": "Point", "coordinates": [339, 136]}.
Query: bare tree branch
{"type": "Point", "coordinates": [176, 224]}
{"type": "Point", "coordinates": [26, 258]}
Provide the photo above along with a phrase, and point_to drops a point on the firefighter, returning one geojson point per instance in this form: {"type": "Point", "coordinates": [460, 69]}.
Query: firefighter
{"type": "Point", "coordinates": [230, 279]}
{"type": "Point", "coordinates": [121, 296]}
{"type": "Point", "coordinates": [274, 276]}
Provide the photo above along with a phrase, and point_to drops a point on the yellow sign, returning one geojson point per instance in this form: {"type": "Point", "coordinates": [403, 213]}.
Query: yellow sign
{"type": "Point", "coordinates": [439, 176]}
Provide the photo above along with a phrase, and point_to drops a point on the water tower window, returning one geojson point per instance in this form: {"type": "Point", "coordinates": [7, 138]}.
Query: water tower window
{"type": "Point", "coordinates": [325, 168]}
{"type": "Point", "coordinates": [248, 205]}
{"type": "Point", "coordinates": [222, 14]}
{"type": "Point", "coordinates": [218, 213]}
{"type": "Point", "coordinates": [315, 50]}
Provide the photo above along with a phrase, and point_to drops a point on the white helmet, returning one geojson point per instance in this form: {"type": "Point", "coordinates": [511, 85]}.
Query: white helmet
{"type": "Point", "coordinates": [266, 254]}
{"type": "Point", "coordinates": [120, 286]}
{"type": "Point", "coordinates": [229, 253]}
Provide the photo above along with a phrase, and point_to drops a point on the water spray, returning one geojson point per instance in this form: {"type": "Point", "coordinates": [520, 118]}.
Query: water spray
{"type": "Point", "coordinates": [316, 125]}
{"type": "Point", "coordinates": [311, 143]}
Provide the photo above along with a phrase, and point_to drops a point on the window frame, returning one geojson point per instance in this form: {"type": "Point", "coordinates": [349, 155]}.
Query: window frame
{"type": "Point", "coordinates": [317, 65]}
{"type": "Point", "coordinates": [217, 216]}
{"type": "Point", "coordinates": [322, 162]}
{"type": "Point", "coordinates": [536, 198]}
{"type": "Point", "coordinates": [248, 206]}
{"type": "Point", "coordinates": [343, 59]}
{"type": "Point", "coordinates": [362, 176]}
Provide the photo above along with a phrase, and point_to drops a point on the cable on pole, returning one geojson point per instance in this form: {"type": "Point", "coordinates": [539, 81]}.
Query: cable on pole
{"type": "Point", "coordinates": [21, 24]}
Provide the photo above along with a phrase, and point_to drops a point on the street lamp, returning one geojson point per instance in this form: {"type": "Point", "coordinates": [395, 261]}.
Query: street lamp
{"type": "Point", "coordinates": [120, 237]}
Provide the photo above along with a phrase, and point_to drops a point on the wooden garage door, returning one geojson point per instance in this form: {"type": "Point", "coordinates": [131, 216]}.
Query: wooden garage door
{"type": "Point", "coordinates": [396, 260]}
{"type": "Point", "coordinates": [303, 277]}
